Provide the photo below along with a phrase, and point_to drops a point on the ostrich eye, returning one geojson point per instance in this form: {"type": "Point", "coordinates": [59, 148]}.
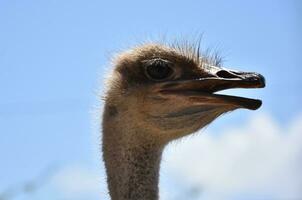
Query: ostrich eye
{"type": "Point", "coordinates": [158, 69]}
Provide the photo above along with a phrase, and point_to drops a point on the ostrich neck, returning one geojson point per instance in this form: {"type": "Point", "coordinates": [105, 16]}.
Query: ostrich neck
{"type": "Point", "coordinates": [132, 163]}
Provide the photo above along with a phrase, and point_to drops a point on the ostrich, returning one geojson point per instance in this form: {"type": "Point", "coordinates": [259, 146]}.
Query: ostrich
{"type": "Point", "coordinates": [158, 93]}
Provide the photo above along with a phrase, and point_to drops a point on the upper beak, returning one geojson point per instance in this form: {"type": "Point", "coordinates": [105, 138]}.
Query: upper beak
{"type": "Point", "coordinates": [218, 79]}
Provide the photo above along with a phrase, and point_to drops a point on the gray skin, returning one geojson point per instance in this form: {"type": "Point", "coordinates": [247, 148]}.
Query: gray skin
{"type": "Point", "coordinates": [142, 114]}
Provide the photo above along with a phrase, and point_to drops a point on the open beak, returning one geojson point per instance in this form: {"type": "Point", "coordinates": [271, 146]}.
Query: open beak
{"type": "Point", "coordinates": [217, 79]}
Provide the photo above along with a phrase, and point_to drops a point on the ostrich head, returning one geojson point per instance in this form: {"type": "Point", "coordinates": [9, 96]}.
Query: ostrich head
{"type": "Point", "coordinates": [170, 91]}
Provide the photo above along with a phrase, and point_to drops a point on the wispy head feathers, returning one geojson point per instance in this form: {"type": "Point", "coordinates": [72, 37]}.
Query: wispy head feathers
{"type": "Point", "coordinates": [192, 49]}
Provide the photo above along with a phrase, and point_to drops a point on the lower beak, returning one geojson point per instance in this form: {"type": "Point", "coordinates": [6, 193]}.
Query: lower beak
{"type": "Point", "coordinates": [202, 89]}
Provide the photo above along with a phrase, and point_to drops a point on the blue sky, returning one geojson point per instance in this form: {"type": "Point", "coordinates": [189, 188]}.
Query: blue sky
{"type": "Point", "coordinates": [53, 55]}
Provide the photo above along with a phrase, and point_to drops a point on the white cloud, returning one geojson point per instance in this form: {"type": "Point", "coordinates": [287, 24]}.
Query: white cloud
{"type": "Point", "coordinates": [259, 158]}
{"type": "Point", "coordinates": [80, 182]}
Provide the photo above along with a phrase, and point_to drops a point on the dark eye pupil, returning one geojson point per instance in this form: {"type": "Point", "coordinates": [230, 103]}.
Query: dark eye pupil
{"type": "Point", "coordinates": [159, 70]}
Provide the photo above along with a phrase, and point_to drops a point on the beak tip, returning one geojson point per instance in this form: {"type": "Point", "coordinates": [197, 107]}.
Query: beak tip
{"type": "Point", "coordinates": [261, 80]}
{"type": "Point", "coordinates": [256, 105]}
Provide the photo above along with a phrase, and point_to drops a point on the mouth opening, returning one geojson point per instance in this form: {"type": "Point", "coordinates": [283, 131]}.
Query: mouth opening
{"type": "Point", "coordinates": [205, 89]}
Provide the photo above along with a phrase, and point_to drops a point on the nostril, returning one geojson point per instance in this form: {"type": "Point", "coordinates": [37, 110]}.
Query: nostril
{"type": "Point", "coordinates": [225, 74]}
